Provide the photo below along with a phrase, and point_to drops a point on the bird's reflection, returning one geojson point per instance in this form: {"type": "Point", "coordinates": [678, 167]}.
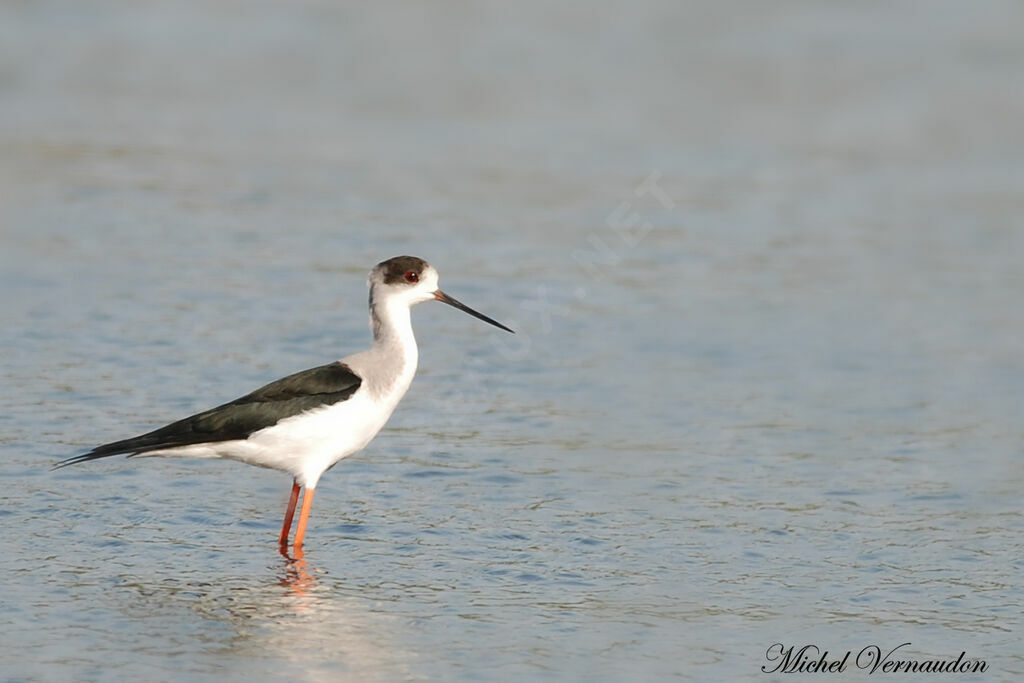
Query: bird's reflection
{"type": "Point", "coordinates": [296, 576]}
{"type": "Point", "coordinates": [292, 620]}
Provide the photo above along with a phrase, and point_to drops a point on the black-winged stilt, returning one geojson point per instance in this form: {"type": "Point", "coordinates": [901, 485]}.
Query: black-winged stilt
{"type": "Point", "coordinates": [303, 424]}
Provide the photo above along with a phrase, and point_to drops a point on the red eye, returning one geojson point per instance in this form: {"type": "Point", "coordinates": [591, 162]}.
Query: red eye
{"type": "Point", "coordinates": [411, 276]}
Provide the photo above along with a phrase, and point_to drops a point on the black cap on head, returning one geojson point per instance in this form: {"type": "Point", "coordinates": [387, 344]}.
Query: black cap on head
{"type": "Point", "coordinates": [394, 269]}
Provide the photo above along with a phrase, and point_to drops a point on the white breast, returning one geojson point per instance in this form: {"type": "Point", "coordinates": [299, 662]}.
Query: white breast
{"type": "Point", "coordinates": [309, 444]}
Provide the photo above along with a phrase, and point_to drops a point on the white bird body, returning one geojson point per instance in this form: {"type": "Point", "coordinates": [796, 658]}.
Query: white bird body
{"type": "Point", "coordinates": [309, 444]}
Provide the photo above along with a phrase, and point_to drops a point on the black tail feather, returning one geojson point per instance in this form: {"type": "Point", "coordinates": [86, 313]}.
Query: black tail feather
{"type": "Point", "coordinates": [129, 447]}
{"type": "Point", "coordinates": [79, 458]}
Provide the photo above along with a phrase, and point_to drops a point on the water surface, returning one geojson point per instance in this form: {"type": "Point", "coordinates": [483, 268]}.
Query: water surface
{"type": "Point", "coordinates": [765, 268]}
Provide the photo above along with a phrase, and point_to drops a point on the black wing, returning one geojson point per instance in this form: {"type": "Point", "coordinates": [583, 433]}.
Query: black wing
{"type": "Point", "coordinates": [238, 419]}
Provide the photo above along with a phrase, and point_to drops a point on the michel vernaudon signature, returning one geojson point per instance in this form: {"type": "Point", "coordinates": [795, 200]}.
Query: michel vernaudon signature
{"type": "Point", "coordinates": [872, 658]}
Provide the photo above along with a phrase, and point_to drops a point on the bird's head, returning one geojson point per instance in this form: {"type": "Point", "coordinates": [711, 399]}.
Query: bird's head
{"type": "Point", "coordinates": [412, 280]}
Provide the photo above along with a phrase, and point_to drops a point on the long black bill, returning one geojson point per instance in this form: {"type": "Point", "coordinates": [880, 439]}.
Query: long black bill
{"type": "Point", "coordinates": [441, 296]}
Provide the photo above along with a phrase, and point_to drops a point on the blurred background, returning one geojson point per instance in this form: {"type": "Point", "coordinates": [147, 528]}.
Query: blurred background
{"type": "Point", "coordinates": [763, 259]}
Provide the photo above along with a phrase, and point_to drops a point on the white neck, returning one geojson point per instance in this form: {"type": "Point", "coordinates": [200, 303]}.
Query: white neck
{"type": "Point", "coordinates": [394, 343]}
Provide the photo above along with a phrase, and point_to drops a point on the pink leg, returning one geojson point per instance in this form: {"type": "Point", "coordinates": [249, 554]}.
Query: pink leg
{"type": "Point", "coordinates": [289, 514]}
{"type": "Point", "coordinates": [300, 530]}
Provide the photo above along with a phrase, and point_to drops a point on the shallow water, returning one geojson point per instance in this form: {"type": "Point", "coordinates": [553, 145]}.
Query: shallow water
{"type": "Point", "coordinates": [764, 266]}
